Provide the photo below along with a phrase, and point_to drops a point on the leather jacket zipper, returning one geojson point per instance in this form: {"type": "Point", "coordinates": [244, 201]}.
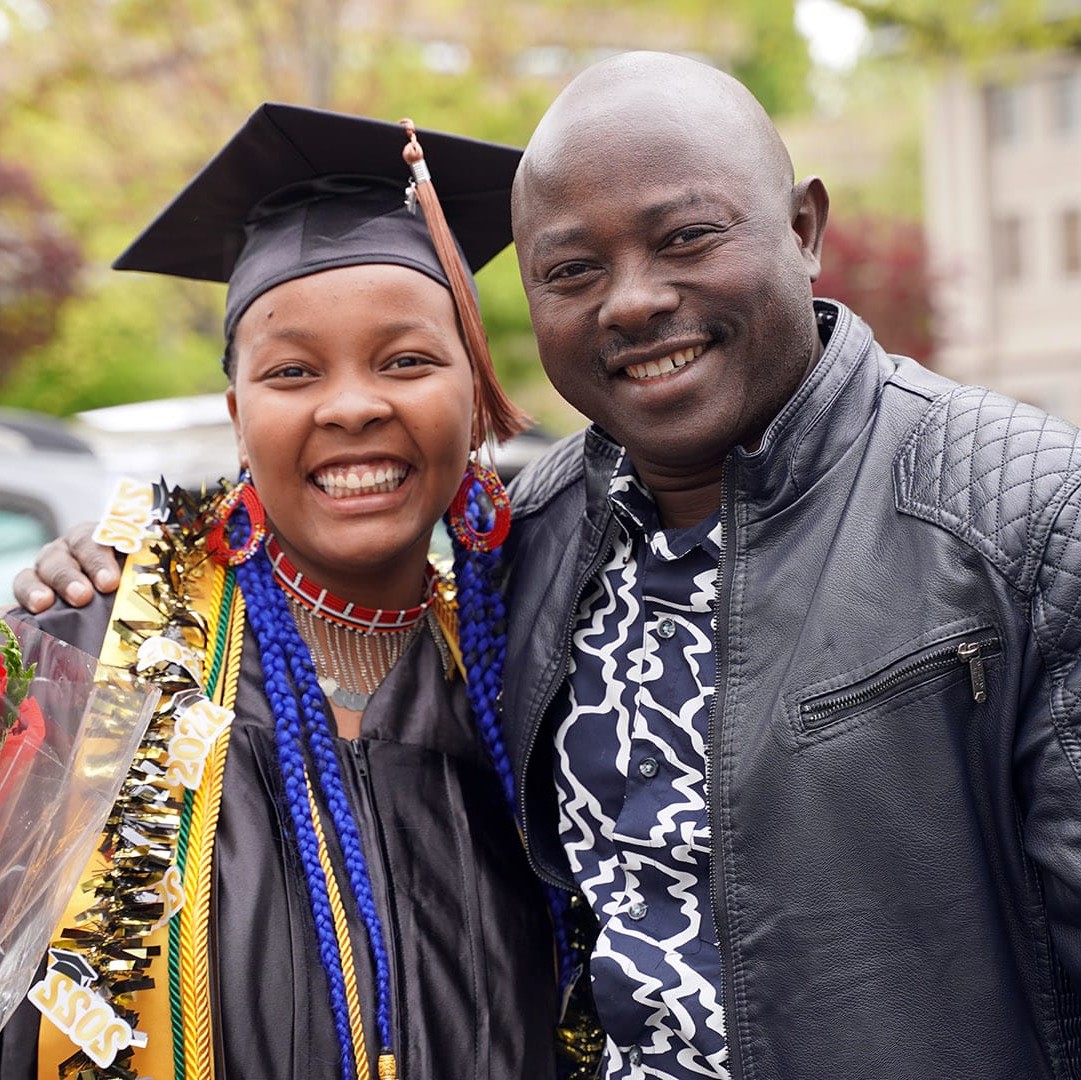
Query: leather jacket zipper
{"type": "Point", "coordinates": [374, 855]}
{"type": "Point", "coordinates": [715, 740]}
{"type": "Point", "coordinates": [603, 550]}
{"type": "Point", "coordinates": [972, 652]}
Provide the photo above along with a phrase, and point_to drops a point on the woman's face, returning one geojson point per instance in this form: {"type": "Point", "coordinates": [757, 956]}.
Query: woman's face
{"type": "Point", "coordinates": [352, 403]}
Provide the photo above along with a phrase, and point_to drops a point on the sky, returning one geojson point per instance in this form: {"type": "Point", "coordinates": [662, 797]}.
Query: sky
{"type": "Point", "coordinates": [835, 33]}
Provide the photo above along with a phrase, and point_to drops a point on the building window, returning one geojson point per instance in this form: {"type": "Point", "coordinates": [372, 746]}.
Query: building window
{"type": "Point", "coordinates": [1071, 242]}
{"type": "Point", "coordinates": [1006, 249]}
{"type": "Point", "coordinates": [1066, 103]}
{"type": "Point", "coordinates": [1004, 113]}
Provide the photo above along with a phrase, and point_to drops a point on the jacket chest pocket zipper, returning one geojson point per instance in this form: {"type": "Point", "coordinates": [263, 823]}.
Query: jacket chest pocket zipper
{"type": "Point", "coordinates": [972, 651]}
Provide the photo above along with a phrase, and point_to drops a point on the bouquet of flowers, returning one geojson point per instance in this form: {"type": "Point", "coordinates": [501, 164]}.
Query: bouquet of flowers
{"type": "Point", "coordinates": [69, 728]}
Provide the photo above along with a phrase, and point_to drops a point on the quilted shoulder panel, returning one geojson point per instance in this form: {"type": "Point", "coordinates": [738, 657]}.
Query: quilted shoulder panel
{"type": "Point", "coordinates": [993, 472]}
{"type": "Point", "coordinates": [1056, 606]}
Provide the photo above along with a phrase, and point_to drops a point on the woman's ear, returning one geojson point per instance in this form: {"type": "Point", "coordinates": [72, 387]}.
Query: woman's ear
{"type": "Point", "coordinates": [241, 449]}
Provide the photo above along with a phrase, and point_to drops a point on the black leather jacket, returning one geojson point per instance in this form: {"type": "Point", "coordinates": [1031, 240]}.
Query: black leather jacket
{"type": "Point", "coordinates": [895, 781]}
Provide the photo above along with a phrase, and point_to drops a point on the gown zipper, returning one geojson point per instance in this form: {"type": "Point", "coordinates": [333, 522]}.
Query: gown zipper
{"type": "Point", "coordinates": [375, 856]}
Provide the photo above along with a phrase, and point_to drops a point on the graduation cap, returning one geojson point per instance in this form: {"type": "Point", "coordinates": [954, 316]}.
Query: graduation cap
{"type": "Point", "coordinates": [300, 190]}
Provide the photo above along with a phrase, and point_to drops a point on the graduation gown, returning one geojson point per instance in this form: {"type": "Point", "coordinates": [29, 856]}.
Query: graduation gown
{"type": "Point", "coordinates": [466, 928]}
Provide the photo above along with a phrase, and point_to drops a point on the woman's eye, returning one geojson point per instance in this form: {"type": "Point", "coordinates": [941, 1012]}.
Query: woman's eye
{"type": "Point", "coordinates": [408, 361]}
{"type": "Point", "coordinates": [289, 371]}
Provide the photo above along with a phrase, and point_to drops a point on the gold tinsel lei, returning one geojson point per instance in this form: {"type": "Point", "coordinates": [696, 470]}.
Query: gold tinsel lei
{"type": "Point", "coordinates": [177, 623]}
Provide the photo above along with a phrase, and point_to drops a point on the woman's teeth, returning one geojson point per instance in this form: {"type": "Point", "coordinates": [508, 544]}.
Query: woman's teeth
{"type": "Point", "coordinates": [359, 480]}
{"type": "Point", "coordinates": [672, 362]}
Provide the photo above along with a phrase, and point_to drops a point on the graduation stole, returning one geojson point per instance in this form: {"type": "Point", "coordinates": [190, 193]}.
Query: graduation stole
{"type": "Point", "coordinates": [127, 989]}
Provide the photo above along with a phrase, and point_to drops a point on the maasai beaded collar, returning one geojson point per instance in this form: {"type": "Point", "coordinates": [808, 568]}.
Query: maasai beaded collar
{"type": "Point", "coordinates": [355, 647]}
{"type": "Point", "coordinates": [325, 605]}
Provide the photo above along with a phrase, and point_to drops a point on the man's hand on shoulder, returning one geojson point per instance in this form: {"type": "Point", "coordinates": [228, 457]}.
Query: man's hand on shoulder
{"type": "Point", "coordinates": [72, 566]}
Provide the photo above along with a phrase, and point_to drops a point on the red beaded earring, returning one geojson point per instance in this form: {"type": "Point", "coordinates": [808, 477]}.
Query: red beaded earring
{"type": "Point", "coordinates": [217, 542]}
{"type": "Point", "coordinates": [462, 527]}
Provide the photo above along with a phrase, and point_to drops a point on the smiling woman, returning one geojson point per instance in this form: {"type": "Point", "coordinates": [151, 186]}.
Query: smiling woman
{"type": "Point", "coordinates": [336, 878]}
{"type": "Point", "coordinates": [352, 401]}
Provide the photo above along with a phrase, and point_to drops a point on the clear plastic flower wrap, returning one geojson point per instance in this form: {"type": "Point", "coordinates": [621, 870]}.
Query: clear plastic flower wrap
{"type": "Point", "coordinates": [69, 728]}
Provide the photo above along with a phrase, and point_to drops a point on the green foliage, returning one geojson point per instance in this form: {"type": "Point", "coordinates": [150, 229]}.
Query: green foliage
{"type": "Point", "coordinates": [39, 265]}
{"type": "Point", "coordinates": [130, 340]}
{"type": "Point", "coordinates": [15, 679]}
{"type": "Point", "coordinates": [117, 104]}
{"type": "Point", "coordinates": [973, 30]}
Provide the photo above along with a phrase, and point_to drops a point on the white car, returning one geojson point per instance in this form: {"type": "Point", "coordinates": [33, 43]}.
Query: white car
{"type": "Point", "coordinates": [56, 474]}
{"type": "Point", "coordinates": [50, 480]}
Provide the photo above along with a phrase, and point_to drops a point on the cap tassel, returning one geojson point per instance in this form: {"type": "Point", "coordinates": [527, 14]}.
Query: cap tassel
{"type": "Point", "coordinates": [493, 412]}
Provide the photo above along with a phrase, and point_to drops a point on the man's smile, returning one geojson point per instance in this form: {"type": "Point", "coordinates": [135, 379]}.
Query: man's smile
{"type": "Point", "coordinates": [651, 369]}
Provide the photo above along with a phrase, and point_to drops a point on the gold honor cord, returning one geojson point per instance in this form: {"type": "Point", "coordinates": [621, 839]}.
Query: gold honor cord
{"type": "Point", "coordinates": [162, 585]}
{"type": "Point", "coordinates": [345, 942]}
{"type": "Point", "coordinates": [198, 1025]}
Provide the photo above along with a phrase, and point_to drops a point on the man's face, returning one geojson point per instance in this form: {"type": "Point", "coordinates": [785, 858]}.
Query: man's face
{"type": "Point", "coordinates": [669, 291]}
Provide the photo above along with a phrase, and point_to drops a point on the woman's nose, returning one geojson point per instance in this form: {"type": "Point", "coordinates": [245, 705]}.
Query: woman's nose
{"type": "Point", "coordinates": [353, 404]}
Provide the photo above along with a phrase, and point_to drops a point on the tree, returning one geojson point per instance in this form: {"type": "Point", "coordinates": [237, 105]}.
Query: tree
{"type": "Point", "coordinates": [126, 99]}
{"type": "Point", "coordinates": [39, 265]}
{"type": "Point", "coordinates": [879, 268]}
{"type": "Point", "coordinates": [974, 30]}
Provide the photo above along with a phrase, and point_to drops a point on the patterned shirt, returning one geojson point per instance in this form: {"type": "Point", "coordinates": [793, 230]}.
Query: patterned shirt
{"type": "Point", "coordinates": [630, 772]}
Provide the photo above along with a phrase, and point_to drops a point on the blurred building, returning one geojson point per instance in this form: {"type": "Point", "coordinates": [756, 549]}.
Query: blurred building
{"type": "Point", "coordinates": [1002, 190]}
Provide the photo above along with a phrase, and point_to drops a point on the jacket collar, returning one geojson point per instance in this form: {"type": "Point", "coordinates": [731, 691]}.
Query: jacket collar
{"type": "Point", "coordinates": [822, 419]}
{"type": "Point", "coordinates": [808, 436]}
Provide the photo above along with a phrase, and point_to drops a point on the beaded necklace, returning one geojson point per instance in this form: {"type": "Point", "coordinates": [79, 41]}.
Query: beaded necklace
{"type": "Point", "coordinates": [353, 647]}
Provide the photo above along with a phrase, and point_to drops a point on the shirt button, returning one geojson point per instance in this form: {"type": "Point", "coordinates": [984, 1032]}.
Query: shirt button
{"type": "Point", "coordinates": [638, 910]}
{"type": "Point", "coordinates": [648, 767]}
{"type": "Point", "coordinates": [666, 629]}
{"type": "Point", "coordinates": [635, 1056]}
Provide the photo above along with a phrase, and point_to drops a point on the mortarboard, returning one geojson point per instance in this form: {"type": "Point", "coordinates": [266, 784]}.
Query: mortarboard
{"type": "Point", "coordinates": [300, 190]}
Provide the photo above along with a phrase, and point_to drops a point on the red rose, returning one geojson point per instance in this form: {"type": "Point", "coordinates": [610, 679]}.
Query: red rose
{"type": "Point", "coordinates": [3, 680]}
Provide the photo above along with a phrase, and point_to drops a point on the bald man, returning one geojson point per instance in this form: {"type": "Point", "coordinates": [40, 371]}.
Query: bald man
{"type": "Point", "coordinates": [792, 680]}
{"type": "Point", "coordinates": [792, 686]}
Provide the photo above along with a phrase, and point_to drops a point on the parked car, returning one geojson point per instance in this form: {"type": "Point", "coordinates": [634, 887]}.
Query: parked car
{"type": "Point", "coordinates": [190, 440]}
{"type": "Point", "coordinates": [50, 479]}
{"type": "Point", "coordinates": [56, 474]}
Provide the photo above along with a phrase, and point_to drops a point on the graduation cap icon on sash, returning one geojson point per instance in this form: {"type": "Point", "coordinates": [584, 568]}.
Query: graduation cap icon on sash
{"type": "Point", "coordinates": [73, 965]}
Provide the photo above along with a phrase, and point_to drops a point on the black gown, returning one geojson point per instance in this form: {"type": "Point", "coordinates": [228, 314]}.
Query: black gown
{"type": "Point", "coordinates": [466, 927]}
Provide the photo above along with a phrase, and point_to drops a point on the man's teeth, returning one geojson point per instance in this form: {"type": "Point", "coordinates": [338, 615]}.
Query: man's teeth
{"type": "Point", "coordinates": [358, 480]}
{"type": "Point", "coordinates": [672, 362]}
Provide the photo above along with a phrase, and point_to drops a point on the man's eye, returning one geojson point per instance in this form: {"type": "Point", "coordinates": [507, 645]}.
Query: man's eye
{"type": "Point", "coordinates": [568, 270]}
{"type": "Point", "coordinates": [689, 235]}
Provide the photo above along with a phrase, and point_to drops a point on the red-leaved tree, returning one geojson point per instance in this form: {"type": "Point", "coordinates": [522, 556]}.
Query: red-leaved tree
{"type": "Point", "coordinates": [39, 266]}
{"type": "Point", "coordinates": [880, 269]}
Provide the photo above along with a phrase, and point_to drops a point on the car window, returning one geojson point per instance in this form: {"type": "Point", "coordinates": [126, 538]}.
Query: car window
{"type": "Point", "coordinates": [21, 534]}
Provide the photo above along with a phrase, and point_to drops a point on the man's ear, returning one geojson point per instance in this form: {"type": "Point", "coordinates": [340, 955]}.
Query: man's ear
{"type": "Point", "coordinates": [810, 208]}
{"type": "Point", "coordinates": [241, 449]}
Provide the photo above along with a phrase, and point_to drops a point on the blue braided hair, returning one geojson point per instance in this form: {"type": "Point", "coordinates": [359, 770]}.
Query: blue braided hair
{"type": "Point", "coordinates": [482, 634]}
{"type": "Point", "coordinates": [287, 730]}
{"type": "Point", "coordinates": [301, 726]}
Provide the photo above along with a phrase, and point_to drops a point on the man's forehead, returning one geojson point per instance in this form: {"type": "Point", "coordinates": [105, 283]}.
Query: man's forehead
{"type": "Point", "coordinates": [577, 220]}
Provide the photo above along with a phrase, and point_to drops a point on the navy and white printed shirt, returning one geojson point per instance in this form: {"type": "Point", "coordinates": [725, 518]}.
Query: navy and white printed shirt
{"type": "Point", "coordinates": [630, 771]}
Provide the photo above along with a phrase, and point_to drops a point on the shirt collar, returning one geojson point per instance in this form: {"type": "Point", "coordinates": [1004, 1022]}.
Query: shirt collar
{"type": "Point", "coordinates": [636, 511]}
